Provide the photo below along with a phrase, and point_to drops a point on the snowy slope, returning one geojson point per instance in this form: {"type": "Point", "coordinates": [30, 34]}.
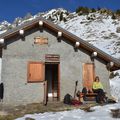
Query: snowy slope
{"type": "Point", "coordinates": [100, 31]}
{"type": "Point", "coordinates": [115, 86]}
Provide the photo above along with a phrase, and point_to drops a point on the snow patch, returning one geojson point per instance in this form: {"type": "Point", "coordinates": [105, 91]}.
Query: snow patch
{"type": "Point", "coordinates": [100, 113]}
{"type": "Point", "coordinates": [115, 86]}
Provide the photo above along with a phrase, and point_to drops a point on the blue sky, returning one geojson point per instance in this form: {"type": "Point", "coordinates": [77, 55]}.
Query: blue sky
{"type": "Point", "coordinates": [10, 9]}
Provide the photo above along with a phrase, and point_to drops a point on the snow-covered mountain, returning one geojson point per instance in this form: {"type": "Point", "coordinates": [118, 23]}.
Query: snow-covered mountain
{"type": "Point", "coordinates": [101, 30]}
{"type": "Point", "coordinates": [54, 15]}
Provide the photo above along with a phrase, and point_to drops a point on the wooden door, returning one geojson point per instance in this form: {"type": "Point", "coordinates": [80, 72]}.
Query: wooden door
{"type": "Point", "coordinates": [36, 72]}
{"type": "Point", "coordinates": [88, 75]}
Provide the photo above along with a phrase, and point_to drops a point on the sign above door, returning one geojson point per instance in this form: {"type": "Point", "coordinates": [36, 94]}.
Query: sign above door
{"type": "Point", "coordinates": [52, 58]}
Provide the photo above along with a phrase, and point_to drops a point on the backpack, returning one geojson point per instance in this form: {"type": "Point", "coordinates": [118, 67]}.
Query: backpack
{"type": "Point", "coordinates": [84, 90]}
{"type": "Point", "coordinates": [67, 99]}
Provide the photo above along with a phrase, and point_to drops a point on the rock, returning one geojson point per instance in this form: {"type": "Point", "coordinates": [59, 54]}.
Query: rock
{"type": "Point", "coordinates": [29, 118]}
{"type": "Point", "coordinates": [115, 113]}
{"type": "Point", "coordinates": [118, 30]}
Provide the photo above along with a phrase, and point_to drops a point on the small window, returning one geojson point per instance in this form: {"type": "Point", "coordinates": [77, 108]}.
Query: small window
{"type": "Point", "coordinates": [36, 71]}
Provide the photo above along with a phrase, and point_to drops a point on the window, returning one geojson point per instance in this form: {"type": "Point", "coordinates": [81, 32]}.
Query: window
{"type": "Point", "coordinates": [36, 71]}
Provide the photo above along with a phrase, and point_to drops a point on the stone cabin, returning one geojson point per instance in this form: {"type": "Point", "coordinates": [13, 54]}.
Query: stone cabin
{"type": "Point", "coordinates": [42, 61]}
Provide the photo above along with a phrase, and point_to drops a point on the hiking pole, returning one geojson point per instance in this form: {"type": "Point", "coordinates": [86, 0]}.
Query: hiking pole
{"type": "Point", "coordinates": [76, 83]}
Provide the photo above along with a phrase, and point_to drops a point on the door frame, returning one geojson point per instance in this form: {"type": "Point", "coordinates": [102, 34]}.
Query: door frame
{"type": "Point", "coordinates": [58, 89]}
{"type": "Point", "coordinates": [58, 82]}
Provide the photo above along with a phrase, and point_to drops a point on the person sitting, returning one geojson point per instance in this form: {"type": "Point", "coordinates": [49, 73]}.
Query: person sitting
{"type": "Point", "coordinates": [98, 88]}
{"type": "Point", "coordinates": [84, 92]}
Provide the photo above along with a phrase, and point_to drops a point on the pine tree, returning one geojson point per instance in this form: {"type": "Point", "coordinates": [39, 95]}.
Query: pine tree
{"type": "Point", "coordinates": [82, 10]}
{"type": "Point", "coordinates": [118, 12]}
{"type": "Point", "coordinates": [93, 10]}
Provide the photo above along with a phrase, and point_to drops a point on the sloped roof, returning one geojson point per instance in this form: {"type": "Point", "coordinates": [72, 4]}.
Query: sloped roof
{"type": "Point", "coordinates": [73, 38]}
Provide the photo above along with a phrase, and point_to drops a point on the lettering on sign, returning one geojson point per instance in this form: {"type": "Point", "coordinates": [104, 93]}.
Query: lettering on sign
{"type": "Point", "coordinates": [52, 58]}
{"type": "Point", "coordinates": [40, 40]}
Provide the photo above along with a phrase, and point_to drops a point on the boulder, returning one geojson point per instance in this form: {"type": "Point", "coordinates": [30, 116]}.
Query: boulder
{"type": "Point", "coordinates": [118, 29]}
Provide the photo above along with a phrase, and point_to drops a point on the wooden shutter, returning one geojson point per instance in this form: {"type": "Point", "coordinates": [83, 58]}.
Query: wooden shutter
{"type": "Point", "coordinates": [36, 71]}
{"type": "Point", "coordinates": [88, 75]}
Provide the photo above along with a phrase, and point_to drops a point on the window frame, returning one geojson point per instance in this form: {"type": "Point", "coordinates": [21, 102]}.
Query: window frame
{"type": "Point", "coordinates": [28, 71]}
